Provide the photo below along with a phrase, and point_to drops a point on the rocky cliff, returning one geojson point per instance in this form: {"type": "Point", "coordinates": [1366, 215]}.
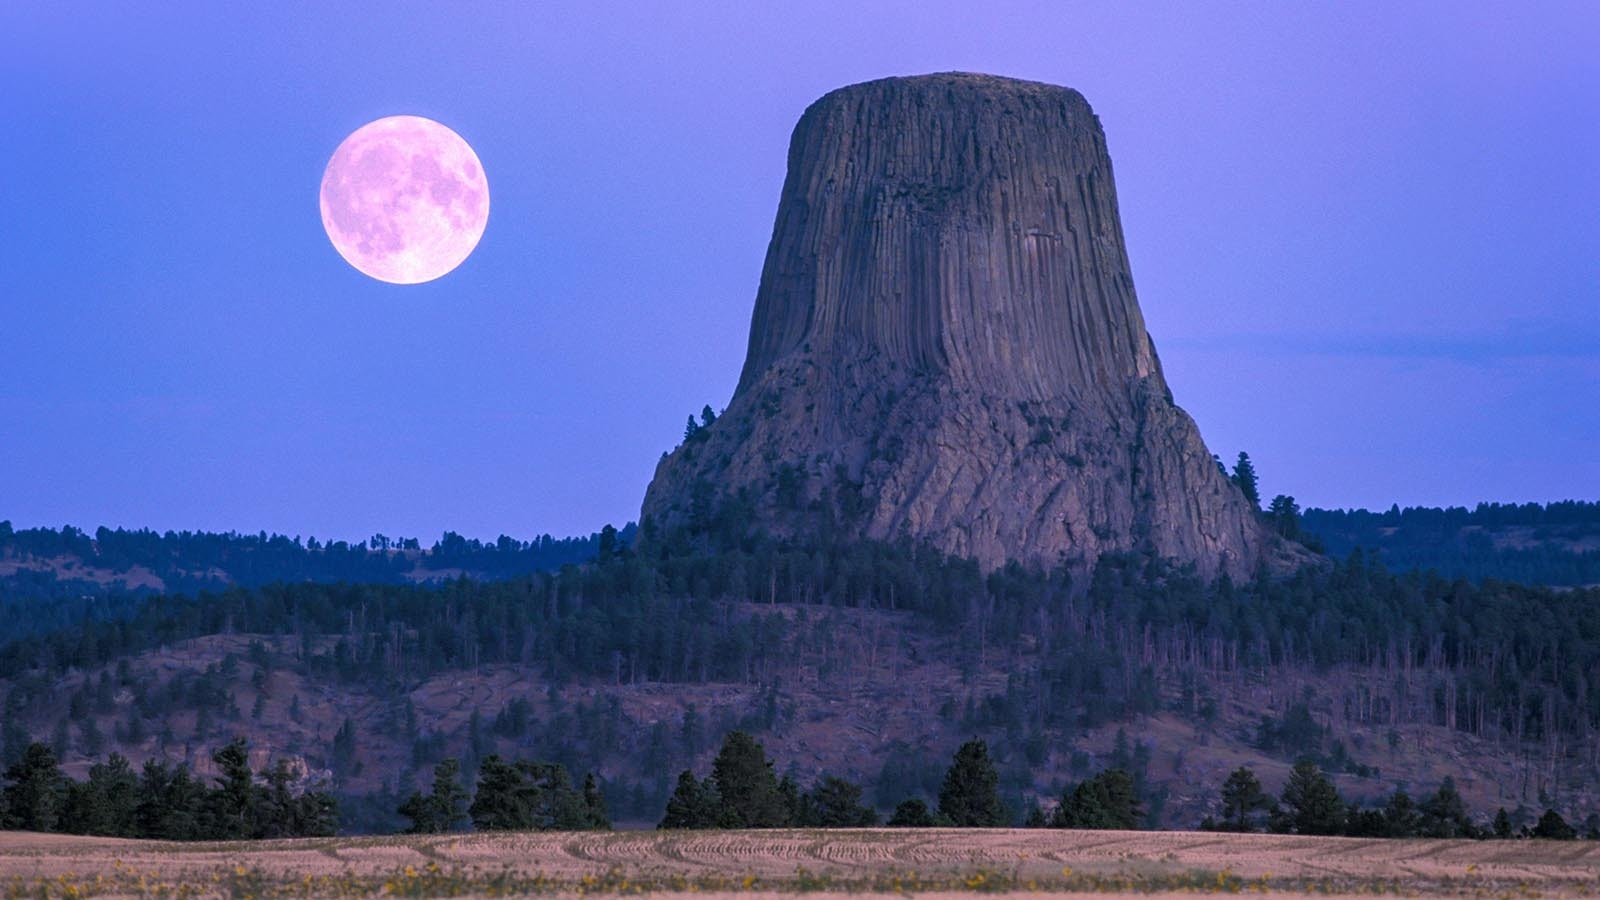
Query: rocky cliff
{"type": "Point", "coordinates": [946, 345]}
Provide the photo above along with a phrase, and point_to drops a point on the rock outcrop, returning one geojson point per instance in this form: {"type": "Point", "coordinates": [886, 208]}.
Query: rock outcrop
{"type": "Point", "coordinates": [946, 346]}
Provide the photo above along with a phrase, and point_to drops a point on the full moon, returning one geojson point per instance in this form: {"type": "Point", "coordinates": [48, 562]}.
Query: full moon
{"type": "Point", "coordinates": [404, 199]}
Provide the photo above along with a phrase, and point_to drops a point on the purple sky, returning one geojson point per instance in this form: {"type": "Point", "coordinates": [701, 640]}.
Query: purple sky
{"type": "Point", "coordinates": [1366, 240]}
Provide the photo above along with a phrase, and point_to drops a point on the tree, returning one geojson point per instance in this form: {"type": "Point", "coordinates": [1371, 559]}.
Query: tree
{"type": "Point", "coordinates": [170, 802]}
{"type": "Point", "coordinates": [692, 804]}
{"type": "Point", "coordinates": [912, 813]}
{"type": "Point", "coordinates": [1502, 824]}
{"type": "Point", "coordinates": [444, 809]}
{"type": "Point", "coordinates": [1241, 796]}
{"type": "Point", "coordinates": [1401, 817]}
{"type": "Point", "coordinates": [526, 795]}
{"type": "Point", "coordinates": [747, 785]}
{"type": "Point", "coordinates": [595, 815]}
{"type": "Point", "coordinates": [1444, 815]}
{"type": "Point", "coordinates": [1552, 827]}
{"type": "Point", "coordinates": [1311, 803]}
{"type": "Point", "coordinates": [499, 804]}
{"type": "Point", "coordinates": [1283, 514]}
{"type": "Point", "coordinates": [836, 803]}
{"type": "Point", "coordinates": [36, 797]}
{"type": "Point", "coordinates": [970, 795]}
{"type": "Point", "coordinates": [1244, 476]}
{"type": "Point", "coordinates": [1106, 801]}
{"type": "Point", "coordinates": [344, 749]}
{"type": "Point", "coordinates": [230, 806]}
{"type": "Point", "coordinates": [107, 802]}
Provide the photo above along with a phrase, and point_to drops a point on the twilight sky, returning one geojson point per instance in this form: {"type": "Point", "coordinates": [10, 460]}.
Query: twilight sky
{"type": "Point", "coordinates": [1366, 241]}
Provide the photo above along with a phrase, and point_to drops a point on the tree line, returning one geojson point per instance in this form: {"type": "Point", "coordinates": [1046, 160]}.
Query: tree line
{"type": "Point", "coordinates": [744, 791]}
{"type": "Point", "coordinates": [187, 562]}
{"type": "Point", "coordinates": [163, 801]}
{"type": "Point", "coordinates": [511, 795]}
{"type": "Point", "coordinates": [1311, 804]}
{"type": "Point", "coordinates": [1458, 542]}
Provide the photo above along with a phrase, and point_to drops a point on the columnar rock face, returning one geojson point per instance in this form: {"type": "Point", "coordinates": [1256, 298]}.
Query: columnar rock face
{"type": "Point", "coordinates": [946, 346]}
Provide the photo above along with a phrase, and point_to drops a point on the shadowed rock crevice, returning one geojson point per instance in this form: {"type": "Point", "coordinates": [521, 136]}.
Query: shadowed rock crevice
{"type": "Point", "coordinates": [946, 346]}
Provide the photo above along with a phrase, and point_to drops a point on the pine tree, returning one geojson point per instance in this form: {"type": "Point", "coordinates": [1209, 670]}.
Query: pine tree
{"type": "Point", "coordinates": [1106, 801]}
{"type": "Point", "coordinates": [836, 803]}
{"type": "Point", "coordinates": [912, 813]}
{"type": "Point", "coordinates": [37, 795]}
{"type": "Point", "coordinates": [1311, 803]}
{"type": "Point", "coordinates": [747, 784]}
{"type": "Point", "coordinates": [1552, 827]}
{"type": "Point", "coordinates": [1401, 818]}
{"type": "Point", "coordinates": [1244, 477]}
{"type": "Point", "coordinates": [442, 810]}
{"type": "Point", "coordinates": [594, 805]}
{"type": "Point", "coordinates": [170, 801]}
{"type": "Point", "coordinates": [970, 795]}
{"type": "Point", "coordinates": [499, 804]}
{"type": "Point", "coordinates": [230, 807]}
{"type": "Point", "coordinates": [1444, 815]}
{"type": "Point", "coordinates": [1241, 796]}
{"type": "Point", "coordinates": [107, 802]}
{"type": "Point", "coordinates": [1502, 824]}
{"type": "Point", "coordinates": [1284, 516]}
{"type": "Point", "coordinates": [691, 805]}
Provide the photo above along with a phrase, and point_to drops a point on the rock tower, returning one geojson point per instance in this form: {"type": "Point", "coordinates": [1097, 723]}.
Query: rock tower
{"type": "Point", "coordinates": [946, 346]}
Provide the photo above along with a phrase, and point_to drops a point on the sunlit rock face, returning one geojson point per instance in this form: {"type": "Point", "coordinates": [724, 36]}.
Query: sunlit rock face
{"type": "Point", "coordinates": [946, 346]}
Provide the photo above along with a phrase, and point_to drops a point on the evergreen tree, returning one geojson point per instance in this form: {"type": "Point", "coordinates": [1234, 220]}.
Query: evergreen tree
{"type": "Point", "coordinates": [793, 800]}
{"type": "Point", "coordinates": [527, 795]}
{"type": "Point", "coordinates": [230, 805]}
{"type": "Point", "coordinates": [1283, 514]}
{"type": "Point", "coordinates": [1106, 801]}
{"type": "Point", "coordinates": [1401, 817]}
{"type": "Point", "coordinates": [170, 802]}
{"type": "Point", "coordinates": [316, 815]}
{"type": "Point", "coordinates": [1552, 827]}
{"type": "Point", "coordinates": [499, 804]}
{"type": "Point", "coordinates": [1242, 796]}
{"type": "Point", "coordinates": [37, 795]}
{"type": "Point", "coordinates": [595, 815]}
{"type": "Point", "coordinates": [970, 795]}
{"type": "Point", "coordinates": [107, 803]}
{"type": "Point", "coordinates": [912, 813]}
{"type": "Point", "coordinates": [1502, 824]}
{"type": "Point", "coordinates": [344, 749]}
{"type": "Point", "coordinates": [1311, 803]}
{"type": "Point", "coordinates": [692, 805]}
{"type": "Point", "coordinates": [1444, 815]}
{"type": "Point", "coordinates": [444, 809]}
{"type": "Point", "coordinates": [1244, 476]}
{"type": "Point", "coordinates": [747, 785]}
{"type": "Point", "coordinates": [836, 803]}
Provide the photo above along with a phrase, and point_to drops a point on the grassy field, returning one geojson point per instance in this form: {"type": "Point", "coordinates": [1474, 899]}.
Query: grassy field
{"type": "Point", "coordinates": [885, 861]}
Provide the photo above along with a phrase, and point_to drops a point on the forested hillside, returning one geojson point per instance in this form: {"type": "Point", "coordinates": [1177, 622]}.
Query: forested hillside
{"type": "Point", "coordinates": [1529, 543]}
{"type": "Point", "coordinates": [868, 660]}
{"type": "Point", "coordinates": [53, 578]}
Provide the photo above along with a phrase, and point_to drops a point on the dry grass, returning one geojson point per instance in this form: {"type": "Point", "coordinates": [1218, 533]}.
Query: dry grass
{"type": "Point", "coordinates": [886, 861]}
